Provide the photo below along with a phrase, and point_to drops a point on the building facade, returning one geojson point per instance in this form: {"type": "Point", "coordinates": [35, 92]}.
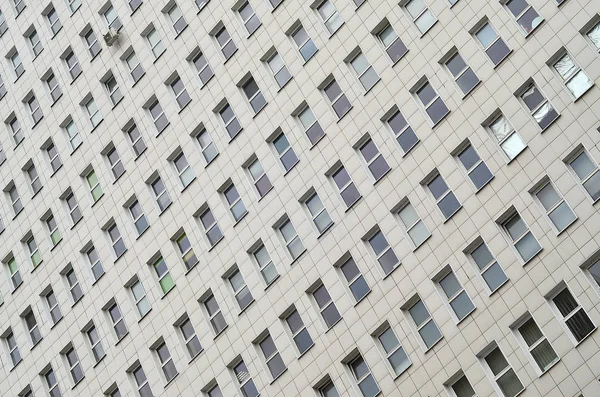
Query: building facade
{"type": "Point", "coordinates": [286, 198]}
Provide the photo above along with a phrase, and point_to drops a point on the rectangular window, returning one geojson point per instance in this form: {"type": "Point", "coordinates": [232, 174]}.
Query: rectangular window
{"type": "Point", "coordinates": [160, 194]}
{"type": "Point", "coordinates": [17, 133]}
{"type": "Point", "coordinates": [476, 169]}
{"type": "Point", "coordinates": [95, 264]}
{"type": "Point", "coordinates": [414, 225]}
{"type": "Point", "coordinates": [362, 376]}
{"type": "Point", "coordinates": [310, 125]}
{"type": "Point", "coordinates": [509, 140]}
{"type": "Point", "coordinates": [574, 78]}
{"type": "Point", "coordinates": [138, 216]}
{"type": "Point", "coordinates": [586, 171]}
{"type": "Point", "coordinates": [177, 20]}
{"type": "Point", "coordinates": [272, 357]}
{"type": "Point", "coordinates": [156, 45]}
{"type": "Point", "coordinates": [217, 320]}
{"type": "Point", "coordinates": [164, 277]}
{"type": "Point", "coordinates": [254, 95]}
{"type": "Point", "coordinates": [444, 198]}
{"type": "Point", "coordinates": [111, 18]}
{"type": "Point", "coordinates": [463, 75]}
{"type": "Point", "coordinates": [158, 116]}
{"type": "Point", "coordinates": [249, 18]}
{"type": "Point", "coordinates": [244, 379]}
{"type": "Point", "coordinates": [318, 213]}
{"type": "Point", "coordinates": [118, 323]}
{"type": "Point", "coordinates": [95, 343]}
{"type": "Point", "coordinates": [207, 146]}
{"type": "Point", "coordinates": [431, 102]}
{"type": "Point", "coordinates": [140, 298]}
{"type": "Point", "coordinates": [306, 46]}
{"type": "Point", "coordinates": [232, 125]}
{"type": "Point", "coordinates": [166, 362]}
{"type": "Point", "coordinates": [235, 203]}
{"type": "Point", "coordinates": [393, 351]}
{"type": "Point", "coordinates": [346, 187]}
{"type": "Point", "coordinates": [425, 325]}
{"type": "Point", "coordinates": [555, 207]}
{"type": "Point", "coordinates": [13, 349]}
{"type": "Point", "coordinates": [52, 226]}
{"type": "Point", "coordinates": [52, 383]}
{"type": "Point", "coordinates": [74, 287]}
{"type": "Point", "coordinates": [457, 298]}
{"type": "Point", "coordinates": [34, 254]}
{"type": "Point", "coordinates": [226, 44]}
{"type": "Point", "coordinates": [74, 366]}
{"type": "Point", "coordinates": [267, 268]}
{"type": "Point", "coordinates": [572, 315]}
{"type": "Point", "coordinates": [15, 275]}
{"type": "Point", "coordinates": [384, 253]}
{"type": "Point", "coordinates": [285, 152]}
{"type": "Point", "coordinates": [393, 45]}
{"type": "Point", "coordinates": [403, 132]}
{"type": "Point", "coordinates": [15, 200]}
{"type": "Point", "coordinates": [181, 95]}
{"type": "Point", "coordinates": [279, 69]}
{"type": "Point", "coordinates": [192, 343]}
{"type": "Point", "coordinates": [34, 110]}
{"type": "Point", "coordinates": [502, 373]}
{"type": "Point", "coordinates": [112, 87]}
{"type": "Point", "coordinates": [3, 90]}
{"type": "Point", "coordinates": [376, 164]}
{"type": "Point", "coordinates": [215, 391]}
{"type": "Point", "coordinates": [367, 76]}
{"type": "Point", "coordinates": [203, 69]}
{"type": "Point", "coordinates": [141, 382]}
{"type": "Point", "coordinates": [491, 272]}
{"type": "Point", "coordinates": [3, 26]}
{"type": "Point", "coordinates": [537, 346]}
{"type": "Point", "coordinates": [94, 185]}
{"type": "Point", "coordinates": [184, 171]}
{"type": "Point", "coordinates": [291, 239]}
{"type": "Point", "coordinates": [338, 100]}
{"type": "Point", "coordinates": [298, 331]}
{"type": "Point", "coordinates": [594, 35]}
{"type": "Point", "coordinates": [116, 165]}
{"type": "Point", "coordinates": [32, 328]}
{"type": "Point", "coordinates": [420, 14]}
{"type": "Point", "coordinates": [538, 106]}
{"type": "Point", "coordinates": [72, 64]}
{"type": "Point", "coordinates": [328, 390]}
{"type": "Point", "coordinates": [356, 281]}
{"type": "Point", "coordinates": [35, 42]}
{"type": "Point", "coordinates": [74, 210]}
{"type": "Point", "coordinates": [526, 16]}
{"type": "Point", "coordinates": [259, 178]}
{"type": "Point", "coordinates": [242, 293]}
{"type": "Point", "coordinates": [186, 251]}
{"type": "Point", "coordinates": [53, 87]}
{"type": "Point", "coordinates": [54, 21]}
{"type": "Point", "coordinates": [17, 64]}
{"type": "Point", "coordinates": [330, 16]}
{"type": "Point", "coordinates": [493, 45]}
{"type": "Point", "coordinates": [211, 227]}
{"type": "Point", "coordinates": [73, 135]}
{"type": "Point", "coordinates": [34, 179]}
{"type": "Point", "coordinates": [461, 387]}
{"type": "Point", "coordinates": [92, 43]}
{"type": "Point", "coordinates": [134, 5]}
{"type": "Point", "coordinates": [137, 142]}
{"type": "Point", "coordinates": [135, 67]}
{"type": "Point", "coordinates": [521, 237]}
{"type": "Point", "coordinates": [93, 112]}
{"type": "Point", "coordinates": [116, 240]}
{"type": "Point", "coordinates": [326, 306]}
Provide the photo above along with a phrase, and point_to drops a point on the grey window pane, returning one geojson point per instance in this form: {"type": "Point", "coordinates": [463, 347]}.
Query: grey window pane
{"type": "Point", "coordinates": [562, 216]}
{"type": "Point", "coordinates": [486, 35]}
{"type": "Point", "coordinates": [219, 322]}
{"type": "Point", "coordinates": [269, 273]}
{"type": "Point", "coordinates": [496, 361]}
{"type": "Point", "coordinates": [437, 187]}
{"type": "Point", "coordinates": [258, 102]}
{"type": "Point", "coordinates": [468, 157]}
{"type": "Point", "coordinates": [528, 246]}
{"type": "Point", "coordinates": [456, 65]}
{"type": "Point", "coordinates": [388, 261]}
{"type": "Point", "coordinates": [321, 296]}
{"type": "Point", "coordinates": [308, 50]}
{"type": "Point", "coordinates": [268, 346]}
{"type": "Point", "coordinates": [592, 186]}
{"type": "Point", "coordinates": [595, 272]}
{"type": "Point", "coordinates": [351, 195]}
{"type": "Point", "coordinates": [467, 81]}
{"type": "Point", "coordinates": [426, 93]}
{"type": "Point", "coordinates": [425, 21]}
{"type": "Point", "coordinates": [462, 388]}
{"type": "Point", "coordinates": [516, 6]}
{"type": "Point", "coordinates": [296, 248]}
{"type": "Point", "coordinates": [532, 97]}
{"type": "Point", "coordinates": [294, 321]}
{"type": "Point", "coordinates": [419, 313]}
{"type": "Point", "coordinates": [498, 51]}
{"type": "Point", "coordinates": [233, 128]}
{"type": "Point", "coordinates": [249, 389]}
{"type": "Point", "coordinates": [580, 325]}
{"type": "Point", "coordinates": [449, 205]}
{"type": "Point", "coordinates": [289, 159]}
{"type": "Point", "coordinates": [515, 227]}
{"type": "Point", "coordinates": [378, 243]}
{"type": "Point", "coordinates": [303, 341]}
{"type": "Point", "coordinates": [430, 334]}
{"type": "Point", "coordinates": [530, 20]}
{"type": "Point", "coordinates": [419, 234]}
{"type": "Point", "coordinates": [331, 315]}
{"type": "Point", "coordinates": [397, 50]}
{"type": "Point", "coordinates": [342, 106]}
{"type": "Point", "coordinates": [450, 285]}
{"type": "Point", "coordinates": [283, 76]}
{"type": "Point", "coordinates": [368, 387]}
{"type": "Point", "coordinates": [481, 175]}
{"type": "Point", "coordinates": [397, 122]}
{"type": "Point", "coordinates": [399, 361]}
{"type": "Point", "coordinates": [333, 90]}
{"type": "Point", "coordinates": [494, 276]}
{"type": "Point", "coordinates": [388, 340]}
{"type": "Point", "coordinates": [276, 366]}
{"type": "Point", "coordinates": [359, 288]}
{"type": "Point", "coordinates": [214, 235]}
{"type": "Point", "coordinates": [582, 165]}
{"type": "Point", "coordinates": [244, 298]}
{"type": "Point", "coordinates": [341, 177]}
{"type": "Point", "coordinates": [300, 36]}
{"type": "Point", "coordinates": [408, 215]}
{"type": "Point", "coordinates": [565, 302]}
{"type": "Point", "coordinates": [437, 110]}
{"type": "Point", "coordinates": [379, 168]}
{"type": "Point", "coordinates": [263, 185]}
{"type": "Point", "coordinates": [315, 133]}
{"type": "Point", "coordinates": [350, 270]}
{"type": "Point", "coordinates": [369, 78]}
{"type": "Point", "coordinates": [544, 355]}
{"type": "Point", "coordinates": [462, 305]}
{"type": "Point", "coordinates": [510, 384]}
{"type": "Point", "coordinates": [252, 24]}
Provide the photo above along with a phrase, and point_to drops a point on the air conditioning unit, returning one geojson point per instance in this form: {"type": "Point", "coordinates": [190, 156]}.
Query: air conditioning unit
{"type": "Point", "coordinates": [111, 37]}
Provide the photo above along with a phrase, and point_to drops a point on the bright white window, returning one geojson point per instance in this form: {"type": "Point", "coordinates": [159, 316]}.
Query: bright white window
{"type": "Point", "coordinates": [94, 185]}
{"type": "Point", "coordinates": [367, 76]}
{"type": "Point", "coordinates": [414, 225]}
{"type": "Point", "coordinates": [525, 15]}
{"type": "Point", "coordinates": [135, 68]}
{"type": "Point", "coordinates": [156, 44]}
{"type": "Point", "coordinates": [279, 69]}
{"type": "Point", "coordinates": [574, 78]}
{"type": "Point", "coordinates": [420, 14]}
{"type": "Point", "coordinates": [330, 16]}
{"type": "Point", "coordinates": [208, 147]}
{"type": "Point", "coordinates": [507, 137]}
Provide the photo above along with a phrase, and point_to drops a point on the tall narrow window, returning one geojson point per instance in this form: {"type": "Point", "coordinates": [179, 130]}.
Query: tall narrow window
{"type": "Point", "coordinates": [432, 103]}
{"type": "Point", "coordinates": [34, 179]}
{"type": "Point", "coordinates": [192, 343]}
{"type": "Point", "coordinates": [184, 171]}
{"type": "Point", "coordinates": [572, 315]}
{"type": "Point", "coordinates": [493, 45]}
{"type": "Point", "coordinates": [52, 383]}
{"type": "Point", "coordinates": [586, 171]}
{"type": "Point", "coordinates": [555, 207]}
{"type": "Point", "coordinates": [457, 298]}
{"type": "Point", "coordinates": [141, 382]}
{"type": "Point", "coordinates": [346, 187]}
{"type": "Point", "coordinates": [74, 210]}
{"type": "Point", "coordinates": [232, 125]}
{"type": "Point", "coordinates": [525, 15]}
{"type": "Point", "coordinates": [245, 382]}
{"type": "Point", "coordinates": [161, 195]}
{"type": "Point", "coordinates": [32, 328]}
{"type": "Point", "coordinates": [186, 251]}
{"type": "Point", "coordinates": [460, 386]}
{"type": "Point", "coordinates": [207, 146]}
{"type": "Point", "coordinates": [300, 334]}
{"type": "Point", "coordinates": [52, 226]}
{"type": "Point", "coordinates": [405, 136]}
{"type": "Point", "coordinates": [111, 18]}
{"type": "Point", "coordinates": [181, 95]}
{"type": "Point", "coordinates": [421, 15]}
{"type": "Point", "coordinates": [574, 78]}
{"type": "Point", "coordinates": [15, 200]}
{"type": "Point", "coordinates": [35, 42]}
{"type": "Point", "coordinates": [254, 95]}
{"type": "Point", "coordinates": [93, 112]}
{"type": "Point", "coordinates": [267, 269]}
{"type": "Point", "coordinates": [94, 185]}
{"type": "Point", "coordinates": [17, 64]}
{"type": "Point", "coordinates": [385, 255]}
{"type": "Point", "coordinates": [537, 346]}
{"type": "Point", "coordinates": [338, 100]}
{"type": "Point", "coordinates": [594, 35]}
{"type": "Point", "coordinates": [34, 253]}
{"type": "Point", "coordinates": [362, 376]}
{"type": "Point", "coordinates": [92, 42]}
{"type": "Point", "coordinates": [394, 352]}
{"type": "Point", "coordinates": [521, 237]}
{"type": "Point", "coordinates": [249, 18]}
{"type": "Point", "coordinates": [279, 69]}
{"type": "Point", "coordinates": [226, 44]}
{"type": "Point", "coordinates": [156, 45]}
{"type": "Point", "coordinates": [164, 277]}
{"type": "Point", "coordinates": [476, 169]}
{"type": "Point", "coordinates": [318, 213]}
{"type": "Point", "coordinates": [330, 16]}
{"type": "Point", "coordinates": [13, 349]}
{"type": "Point", "coordinates": [211, 227]}
{"type": "Point", "coordinates": [367, 76]}
{"type": "Point", "coordinates": [140, 298]}
{"type": "Point", "coordinates": [74, 287]}
{"type": "Point", "coordinates": [491, 272]}
{"type": "Point", "coordinates": [95, 264]}
{"type": "Point", "coordinates": [95, 342]}
{"type": "Point", "coordinates": [15, 275]}
{"type": "Point", "coordinates": [116, 165]}
{"type": "Point", "coordinates": [425, 325]}
{"type": "Point", "coordinates": [539, 107]}
{"type": "Point", "coordinates": [112, 87]}
{"type": "Point", "coordinates": [463, 75]}
{"type": "Point", "coordinates": [242, 293]}
{"type": "Point", "coordinates": [376, 163]}
{"type": "Point", "coordinates": [166, 362]}
{"type": "Point", "coordinates": [116, 240]}
{"type": "Point", "coordinates": [135, 67]}
{"type": "Point", "coordinates": [72, 64]}
{"type": "Point", "coordinates": [356, 281]}
{"type": "Point", "coordinates": [118, 323]}
{"type": "Point", "coordinates": [158, 116]}
{"type": "Point", "coordinates": [502, 373]}
{"type": "Point", "coordinates": [236, 205]}
{"type": "Point", "coordinates": [328, 390]}
{"type": "Point", "coordinates": [414, 225]}
{"type": "Point", "coordinates": [73, 135]}
{"type": "Point", "coordinates": [74, 365]}
{"type": "Point", "coordinates": [272, 357]}
{"type": "Point", "coordinates": [291, 239]}
{"type": "Point", "coordinates": [509, 140]}
{"type": "Point", "coordinates": [327, 308]}
{"type": "Point", "coordinates": [34, 110]}
{"type": "Point", "coordinates": [259, 178]}
{"type": "Point", "coordinates": [53, 87]}
{"type": "Point", "coordinates": [203, 69]}
{"type": "Point", "coordinates": [17, 133]}
{"type": "Point", "coordinates": [393, 45]}
{"type": "Point", "coordinates": [54, 21]}
{"type": "Point", "coordinates": [310, 125]}
{"type": "Point", "coordinates": [286, 153]}
{"type": "Point", "coordinates": [443, 196]}
{"type": "Point", "coordinates": [139, 218]}
{"type": "Point", "coordinates": [134, 5]}
{"type": "Point", "coordinates": [305, 44]}
{"type": "Point", "coordinates": [137, 142]}
{"type": "Point", "coordinates": [177, 20]}
{"type": "Point", "coordinates": [217, 320]}
{"type": "Point", "coordinates": [3, 26]}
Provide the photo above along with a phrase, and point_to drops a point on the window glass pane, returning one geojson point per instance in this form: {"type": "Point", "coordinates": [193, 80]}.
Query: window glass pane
{"type": "Point", "coordinates": [486, 35]}
{"type": "Point", "coordinates": [430, 334]}
{"type": "Point", "coordinates": [419, 313]}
